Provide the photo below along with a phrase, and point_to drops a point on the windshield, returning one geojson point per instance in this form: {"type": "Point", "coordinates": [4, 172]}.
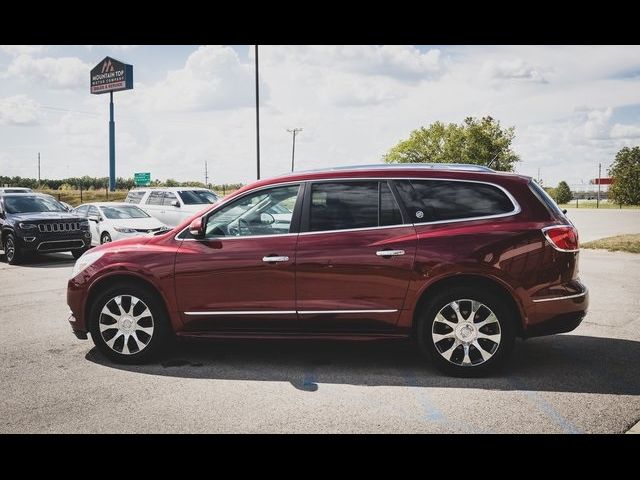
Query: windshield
{"type": "Point", "coordinates": [123, 213]}
{"type": "Point", "coordinates": [29, 204]}
{"type": "Point", "coordinates": [195, 197]}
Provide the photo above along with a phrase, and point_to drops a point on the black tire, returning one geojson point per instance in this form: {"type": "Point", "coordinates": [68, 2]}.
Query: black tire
{"type": "Point", "coordinates": [105, 238]}
{"type": "Point", "coordinates": [11, 250]}
{"type": "Point", "coordinates": [507, 329]}
{"type": "Point", "coordinates": [158, 342]}
{"type": "Point", "coordinates": [78, 253]}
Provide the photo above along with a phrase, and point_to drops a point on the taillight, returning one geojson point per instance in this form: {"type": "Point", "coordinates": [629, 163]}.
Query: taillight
{"type": "Point", "coordinates": [563, 237]}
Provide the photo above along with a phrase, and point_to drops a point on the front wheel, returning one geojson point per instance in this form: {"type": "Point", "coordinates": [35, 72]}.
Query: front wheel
{"type": "Point", "coordinates": [467, 332]}
{"type": "Point", "coordinates": [78, 253]}
{"type": "Point", "coordinates": [128, 324]}
{"type": "Point", "coordinates": [105, 238]}
{"type": "Point", "coordinates": [11, 250]}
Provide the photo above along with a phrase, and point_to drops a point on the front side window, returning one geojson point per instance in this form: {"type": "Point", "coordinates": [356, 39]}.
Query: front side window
{"type": "Point", "coordinates": [197, 197]}
{"type": "Point", "coordinates": [82, 210]}
{"type": "Point", "coordinates": [266, 212]}
{"type": "Point", "coordinates": [155, 198]}
{"type": "Point", "coordinates": [347, 205]}
{"type": "Point", "coordinates": [94, 212]}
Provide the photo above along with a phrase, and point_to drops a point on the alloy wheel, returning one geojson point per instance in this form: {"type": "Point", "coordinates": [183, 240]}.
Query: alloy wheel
{"type": "Point", "coordinates": [466, 332]}
{"type": "Point", "coordinates": [9, 249]}
{"type": "Point", "coordinates": [126, 324]}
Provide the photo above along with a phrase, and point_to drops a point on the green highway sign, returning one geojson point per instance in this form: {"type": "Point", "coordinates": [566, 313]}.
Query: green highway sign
{"type": "Point", "coordinates": [142, 178]}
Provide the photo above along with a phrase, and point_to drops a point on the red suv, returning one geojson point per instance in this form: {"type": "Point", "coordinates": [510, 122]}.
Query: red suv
{"type": "Point", "coordinates": [459, 257]}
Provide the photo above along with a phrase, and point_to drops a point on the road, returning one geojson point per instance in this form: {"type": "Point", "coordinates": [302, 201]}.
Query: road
{"type": "Point", "coordinates": [595, 223]}
{"type": "Point", "coordinates": [585, 381]}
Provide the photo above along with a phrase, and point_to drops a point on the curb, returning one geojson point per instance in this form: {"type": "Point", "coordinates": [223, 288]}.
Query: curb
{"type": "Point", "coordinates": [634, 429]}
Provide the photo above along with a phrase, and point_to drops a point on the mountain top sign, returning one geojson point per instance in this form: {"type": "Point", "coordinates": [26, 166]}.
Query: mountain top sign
{"type": "Point", "coordinates": [111, 75]}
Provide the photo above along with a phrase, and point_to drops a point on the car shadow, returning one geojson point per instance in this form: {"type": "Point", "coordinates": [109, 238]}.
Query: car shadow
{"type": "Point", "coordinates": [46, 260]}
{"type": "Point", "coordinates": [561, 363]}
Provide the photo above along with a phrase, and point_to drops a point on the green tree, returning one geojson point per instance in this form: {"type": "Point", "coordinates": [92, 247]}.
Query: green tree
{"type": "Point", "coordinates": [477, 141]}
{"type": "Point", "coordinates": [562, 193]}
{"type": "Point", "coordinates": [171, 183]}
{"type": "Point", "coordinates": [625, 172]}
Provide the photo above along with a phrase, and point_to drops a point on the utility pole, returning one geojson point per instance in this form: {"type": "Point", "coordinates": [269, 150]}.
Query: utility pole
{"type": "Point", "coordinates": [599, 180]}
{"type": "Point", "coordinates": [293, 150]}
{"type": "Point", "coordinates": [257, 120]}
{"type": "Point", "coordinates": [38, 168]}
{"type": "Point", "coordinates": [206, 175]}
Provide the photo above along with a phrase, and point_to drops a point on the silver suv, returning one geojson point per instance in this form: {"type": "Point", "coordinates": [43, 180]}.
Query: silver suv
{"type": "Point", "coordinates": [172, 205]}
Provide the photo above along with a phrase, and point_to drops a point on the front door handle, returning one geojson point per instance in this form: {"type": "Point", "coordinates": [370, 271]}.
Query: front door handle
{"type": "Point", "coordinates": [275, 259]}
{"type": "Point", "coordinates": [389, 253]}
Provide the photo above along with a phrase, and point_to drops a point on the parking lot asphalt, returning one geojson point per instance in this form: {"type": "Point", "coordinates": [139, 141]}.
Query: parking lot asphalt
{"type": "Point", "coordinates": [584, 381]}
{"type": "Point", "coordinates": [593, 223]}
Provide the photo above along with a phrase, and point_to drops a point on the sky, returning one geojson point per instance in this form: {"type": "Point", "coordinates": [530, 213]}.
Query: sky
{"type": "Point", "coordinates": [572, 106]}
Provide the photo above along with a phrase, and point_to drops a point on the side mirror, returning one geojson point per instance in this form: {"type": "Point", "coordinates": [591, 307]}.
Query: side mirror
{"type": "Point", "coordinates": [267, 218]}
{"type": "Point", "coordinates": [175, 203]}
{"type": "Point", "coordinates": [94, 218]}
{"type": "Point", "coordinates": [196, 228]}
{"type": "Point", "coordinates": [564, 210]}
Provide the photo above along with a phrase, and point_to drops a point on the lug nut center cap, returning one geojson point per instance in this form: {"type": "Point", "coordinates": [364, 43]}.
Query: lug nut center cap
{"type": "Point", "coordinates": [126, 323]}
{"type": "Point", "coordinates": [466, 332]}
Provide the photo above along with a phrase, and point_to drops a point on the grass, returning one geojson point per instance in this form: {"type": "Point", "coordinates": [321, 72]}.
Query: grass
{"type": "Point", "coordinates": [620, 243]}
{"type": "Point", "coordinates": [72, 197]}
{"type": "Point", "coordinates": [593, 203]}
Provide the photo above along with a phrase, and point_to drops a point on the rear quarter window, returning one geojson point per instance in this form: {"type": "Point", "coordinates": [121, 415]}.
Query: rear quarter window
{"type": "Point", "coordinates": [441, 200]}
{"type": "Point", "coordinates": [134, 197]}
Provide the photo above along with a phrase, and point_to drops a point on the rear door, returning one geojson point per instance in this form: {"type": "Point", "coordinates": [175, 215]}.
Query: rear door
{"type": "Point", "coordinates": [354, 258]}
{"type": "Point", "coordinates": [154, 205]}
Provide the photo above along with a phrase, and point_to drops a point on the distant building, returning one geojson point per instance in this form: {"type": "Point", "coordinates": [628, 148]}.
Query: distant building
{"type": "Point", "coordinates": [589, 191]}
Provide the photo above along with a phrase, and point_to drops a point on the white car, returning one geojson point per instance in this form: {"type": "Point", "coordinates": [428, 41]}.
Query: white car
{"type": "Point", "coordinates": [111, 221]}
{"type": "Point", "coordinates": [172, 205]}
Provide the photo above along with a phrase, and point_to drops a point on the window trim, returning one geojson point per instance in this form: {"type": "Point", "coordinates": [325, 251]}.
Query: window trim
{"type": "Point", "coordinates": [306, 185]}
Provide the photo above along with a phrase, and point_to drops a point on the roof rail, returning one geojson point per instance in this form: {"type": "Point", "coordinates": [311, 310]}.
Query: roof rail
{"type": "Point", "coordinates": [438, 166]}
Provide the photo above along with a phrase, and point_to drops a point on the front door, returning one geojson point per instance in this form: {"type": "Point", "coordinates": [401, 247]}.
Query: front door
{"type": "Point", "coordinates": [241, 276]}
{"type": "Point", "coordinates": [354, 258]}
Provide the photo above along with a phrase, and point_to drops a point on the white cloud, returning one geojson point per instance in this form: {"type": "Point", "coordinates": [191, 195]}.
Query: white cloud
{"type": "Point", "coordinates": [15, 50]}
{"type": "Point", "coordinates": [213, 78]}
{"type": "Point", "coordinates": [513, 69]}
{"type": "Point", "coordinates": [52, 72]}
{"type": "Point", "coordinates": [19, 110]}
{"type": "Point", "coordinates": [625, 131]}
{"type": "Point", "coordinates": [403, 63]}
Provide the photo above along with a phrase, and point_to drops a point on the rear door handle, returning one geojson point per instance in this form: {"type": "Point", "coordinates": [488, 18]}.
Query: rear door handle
{"type": "Point", "coordinates": [275, 259]}
{"type": "Point", "coordinates": [389, 253]}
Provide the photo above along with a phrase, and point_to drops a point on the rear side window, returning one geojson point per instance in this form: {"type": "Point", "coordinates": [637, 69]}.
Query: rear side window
{"type": "Point", "coordinates": [155, 198]}
{"type": "Point", "coordinates": [347, 205]}
{"type": "Point", "coordinates": [168, 198]}
{"type": "Point", "coordinates": [134, 196]}
{"type": "Point", "coordinates": [438, 200]}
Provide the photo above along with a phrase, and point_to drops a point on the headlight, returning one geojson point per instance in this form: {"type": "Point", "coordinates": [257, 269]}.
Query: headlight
{"type": "Point", "coordinates": [124, 230]}
{"type": "Point", "coordinates": [26, 226]}
{"type": "Point", "coordinates": [85, 261]}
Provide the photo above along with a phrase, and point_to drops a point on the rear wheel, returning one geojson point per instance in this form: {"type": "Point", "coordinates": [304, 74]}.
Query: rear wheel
{"type": "Point", "coordinates": [11, 250]}
{"type": "Point", "coordinates": [128, 324]}
{"type": "Point", "coordinates": [467, 332]}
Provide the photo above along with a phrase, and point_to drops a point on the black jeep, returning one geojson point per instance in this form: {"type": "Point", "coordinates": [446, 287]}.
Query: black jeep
{"type": "Point", "coordinates": [38, 223]}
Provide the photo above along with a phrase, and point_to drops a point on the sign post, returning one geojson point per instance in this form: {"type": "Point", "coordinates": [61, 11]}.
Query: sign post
{"type": "Point", "coordinates": [111, 75]}
{"type": "Point", "coordinates": [142, 179]}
